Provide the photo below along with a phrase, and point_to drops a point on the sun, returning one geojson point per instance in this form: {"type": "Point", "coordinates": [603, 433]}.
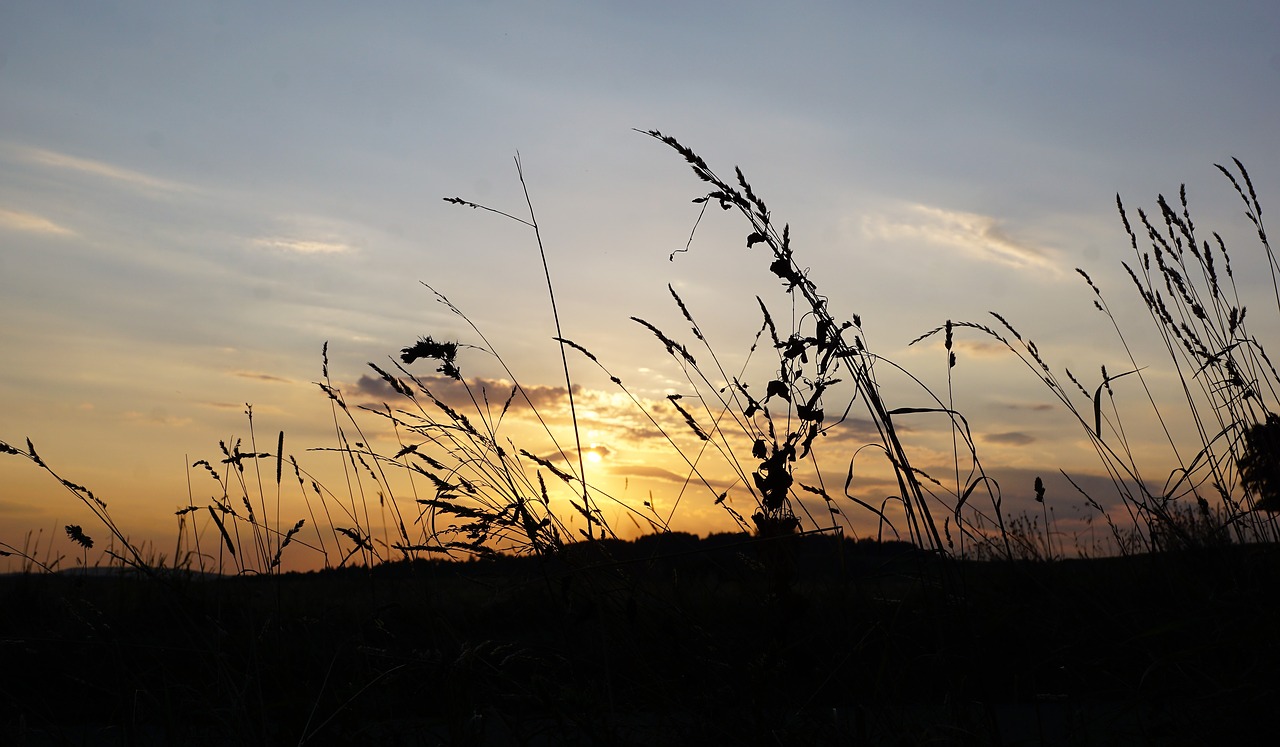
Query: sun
{"type": "Point", "coordinates": [593, 456]}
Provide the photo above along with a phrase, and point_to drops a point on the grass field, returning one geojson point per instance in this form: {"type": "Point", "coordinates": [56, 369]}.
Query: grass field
{"type": "Point", "coordinates": [665, 641]}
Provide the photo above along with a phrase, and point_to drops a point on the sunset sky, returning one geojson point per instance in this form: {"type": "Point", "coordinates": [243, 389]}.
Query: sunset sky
{"type": "Point", "coordinates": [195, 198]}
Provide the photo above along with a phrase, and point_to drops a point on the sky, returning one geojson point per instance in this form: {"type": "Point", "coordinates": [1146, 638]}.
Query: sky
{"type": "Point", "coordinates": [196, 198]}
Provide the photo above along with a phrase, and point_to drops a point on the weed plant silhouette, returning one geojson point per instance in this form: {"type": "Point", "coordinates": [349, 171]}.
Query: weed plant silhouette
{"type": "Point", "coordinates": [816, 354]}
{"type": "Point", "coordinates": [1260, 463]}
{"type": "Point", "coordinates": [487, 495]}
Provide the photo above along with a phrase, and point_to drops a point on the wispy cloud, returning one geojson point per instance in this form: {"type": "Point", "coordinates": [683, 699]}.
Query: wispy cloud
{"type": "Point", "coordinates": [570, 454]}
{"type": "Point", "coordinates": [66, 162]}
{"type": "Point", "coordinates": [303, 233]}
{"type": "Point", "coordinates": [14, 511]}
{"type": "Point", "coordinates": [980, 237]}
{"type": "Point", "coordinates": [615, 416]}
{"type": "Point", "coordinates": [302, 246]}
{"type": "Point", "coordinates": [1012, 438]}
{"type": "Point", "coordinates": [157, 416]}
{"type": "Point", "coordinates": [239, 406]}
{"type": "Point", "coordinates": [16, 220]}
{"type": "Point", "coordinates": [1030, 406]}
{"type": "Point", "coordinates": [261, 377]}
{"type": "Point", "coordinates": [454, 393]}
{"type": "Point", "coordinates": [655, 472]}
{"type": "Point", "coordinates": [982, 348]}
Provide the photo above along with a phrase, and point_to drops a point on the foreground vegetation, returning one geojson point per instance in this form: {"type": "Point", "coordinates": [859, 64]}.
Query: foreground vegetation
{"type": "Point", "coordinates": [665, 641]}
{"type": "Point", "coordinates": [958, 623]}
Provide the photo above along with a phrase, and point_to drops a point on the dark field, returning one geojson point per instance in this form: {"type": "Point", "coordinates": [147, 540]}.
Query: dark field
{"type": "Point", "coordinates": [669, 640]}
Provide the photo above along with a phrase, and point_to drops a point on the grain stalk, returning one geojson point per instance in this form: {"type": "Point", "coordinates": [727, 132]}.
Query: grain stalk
{"type": "Point", "coordinates": [828, 342]}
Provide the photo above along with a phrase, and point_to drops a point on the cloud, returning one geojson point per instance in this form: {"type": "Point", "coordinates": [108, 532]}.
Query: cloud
{"type": "Point", "coordinates": [980, 237]}
{"type": "Point", "coordinates": [981, 348]}
{"type": "Point", "coordinates": [16, 220]}
{"type": "Point", "coordinates": [614, 416]}
{"type": "Point", "coordinates": [653, 472]}
{"type": "Point", "coordinates": [14, 511]}
{"type": "Point", "coordinates": [1017, 487]}
{"type": "Point", "coordinates": [598, 449]}
{"type": "Point", "coordinates": [135, 179]}
{"type": "Point", "coordinates": [310, 234]}
{"type": "Point", "coordinates": [376, 387]}
{"type": "Point", "coordinates": [856, 431]}
{"type": "Point", "coordinates": [540, 397]}
{"type": "Point", "coordinates": [1012, 438]}
{"type": "Point", "coordinates": [454, 393]}
{"type": "Point", "coordinates": [647, 470]}
{"type": "Point", "coordinates": [156, 416]}
{"type": "Point", "coordinates": [302, 246]}
{"type": "Point", "coordinates": [1030, 406]}
{"type": "Point", "coordinates": [257, 409]}
{"type": "Point", "coordinates": [261, 377]}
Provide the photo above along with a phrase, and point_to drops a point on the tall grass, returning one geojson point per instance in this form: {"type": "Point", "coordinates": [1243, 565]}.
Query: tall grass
{"type": "Point", "coordinates": [813, 357]}
{"type": "Point", "coordinates": [1223, 482]}
{"type": "Point", "coordinates": [121, 550]}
